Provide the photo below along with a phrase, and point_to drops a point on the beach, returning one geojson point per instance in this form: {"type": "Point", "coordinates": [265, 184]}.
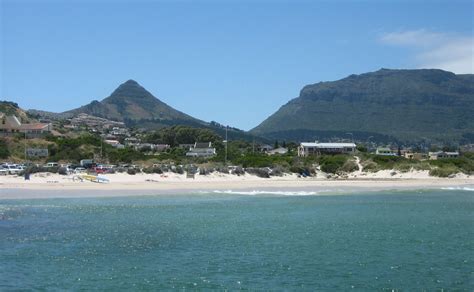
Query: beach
{"type": "Point", "coordinates": [45, 185]}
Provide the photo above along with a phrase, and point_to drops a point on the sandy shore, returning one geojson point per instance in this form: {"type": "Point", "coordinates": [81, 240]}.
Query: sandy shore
{"type": "Point", "coordinates": [53, 185]}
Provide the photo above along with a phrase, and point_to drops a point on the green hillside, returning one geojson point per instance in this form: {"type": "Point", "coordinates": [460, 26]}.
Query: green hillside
{"type": "Point", "coordinates": [133, 102]}
{"type": "Point", "coordinates": [138, 108]}
{"type": "Point", "coordinates": [408, 105]}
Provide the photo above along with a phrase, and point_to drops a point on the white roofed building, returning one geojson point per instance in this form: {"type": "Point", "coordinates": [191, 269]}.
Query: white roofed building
{"type": "Point", "coordinates": [200, 149]}
{"type": "Point", "coordinates": [310, 148]}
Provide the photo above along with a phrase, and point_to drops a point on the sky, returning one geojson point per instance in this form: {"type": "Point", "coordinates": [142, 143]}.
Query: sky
{"type": "Point", "coordinates": [234, 62]}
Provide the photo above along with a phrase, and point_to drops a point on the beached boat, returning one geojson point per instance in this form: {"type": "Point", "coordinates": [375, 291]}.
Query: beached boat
{"type": "Point", "coordinates": [92, 178]}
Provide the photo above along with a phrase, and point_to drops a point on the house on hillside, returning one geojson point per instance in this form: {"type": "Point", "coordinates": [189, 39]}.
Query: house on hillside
{"type": "Point", "coordinates": [442, 155]}
{"type": "Point", "coordinates": [414, 155]}
{"type": "Point", "coordinates": [201, 149]}
{"type": "Point", "coordinates": [309, 148]}
{"type": "Point", "coordinates": [280, 150]}
{"type": "Point", "coordinates": [264, 148]}
{"type": "Point", "coordinates": [115, 143]}
{"type": "Point", "coordinates": [383, 151]}
{"type": "Point", "coordinates": [9, 125]}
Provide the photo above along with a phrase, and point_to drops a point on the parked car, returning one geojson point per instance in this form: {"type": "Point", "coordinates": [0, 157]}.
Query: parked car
{"type": "Point", "coordinates": [13, 169]}
{"type": "Point", "coordinates": [79, 170]}
{"type": "Point", "coordinates": [3, 171]}
{"type": "Point", "coordinates": [52, 164]}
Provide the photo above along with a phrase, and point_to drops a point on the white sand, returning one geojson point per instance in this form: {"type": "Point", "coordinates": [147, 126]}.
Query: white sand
{"type": "Point", "coordinates": [45, 185]}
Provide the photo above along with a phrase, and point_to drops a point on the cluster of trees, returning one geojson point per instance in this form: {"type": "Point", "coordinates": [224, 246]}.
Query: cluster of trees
{"type": "Point", "coordinates": [176, 135]}
{"type": "Point", "coordinates": [4, 152]}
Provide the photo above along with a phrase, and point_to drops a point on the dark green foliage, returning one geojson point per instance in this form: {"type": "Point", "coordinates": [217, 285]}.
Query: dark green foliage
{"type": "Point", "coordinates": [410, 105]}
{"type": "Point", "coordinates": [332, 163]}
{"type": "Point", "coordinates": [132, 171]}
{"type": "Point", "coordinates": [84, 147]}
{"type": "Point", "coordinates": [4, 152]}
{"type": "Point", "coordinates": [445, 171]}
{"type": "Point", "coordinates": [260, 172]}
{"type": "Point", "coordinates": [126, 155]}
{"type": "Point", "coordinates": [463, 164]}
{"type": "Point", "coordinates": [261, 160]}
{"type": "Point", "coordinates": [361, 148]}
{"type": "Point", "coordinates": [176, 135]}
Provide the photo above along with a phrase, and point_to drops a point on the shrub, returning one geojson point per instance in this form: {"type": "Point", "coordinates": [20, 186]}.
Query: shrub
{"type": "Point", "coordinates": [238, 171]}
{"type": "Point", "coordinates": [277, 171]}
{"type": "Point", "coordinates": [132, 171]}
{"type": "Point", "coordinates": [179, 170]}
{"type": "Point", "coordinates": [223, 169]}
{"type": "Point", "coordinates": [370, 167]}
{"type": "Point", "coordinates": [349, 166]}
{"type": "Point", "coordinates": [203, 171]}
{"type": "Point", "coordinates": [444, 171]}
{"type": "Point", "coordinates": [331, 164]}
{"type": "Point", "coordinates": [4, 152]}
{"type": "Point", "coordinates": [260, 172]}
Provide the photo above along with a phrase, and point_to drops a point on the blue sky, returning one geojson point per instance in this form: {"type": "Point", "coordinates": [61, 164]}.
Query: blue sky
{"type": "Point", "coordinates": [234, 62]}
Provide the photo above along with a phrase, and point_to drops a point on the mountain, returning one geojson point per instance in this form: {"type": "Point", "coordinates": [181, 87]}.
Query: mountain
{"type": "Point", "coordinates": [406, 105]}
{"type": "Point", "coordinates": [131, 102]}
{"type": "Point", "coordinates": [134, 105]}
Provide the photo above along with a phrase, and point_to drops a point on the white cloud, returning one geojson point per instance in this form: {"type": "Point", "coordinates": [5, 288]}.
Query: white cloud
{"type": "Point", "coordinates": [447, 51]}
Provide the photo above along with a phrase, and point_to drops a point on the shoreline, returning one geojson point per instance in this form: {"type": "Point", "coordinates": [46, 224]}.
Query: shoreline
{"type": "Point", "coordinates": [55, 186]}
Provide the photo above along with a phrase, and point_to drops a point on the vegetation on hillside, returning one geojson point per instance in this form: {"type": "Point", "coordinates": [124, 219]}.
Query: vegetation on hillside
{"type": "Point", "coordinates": [441, 167]}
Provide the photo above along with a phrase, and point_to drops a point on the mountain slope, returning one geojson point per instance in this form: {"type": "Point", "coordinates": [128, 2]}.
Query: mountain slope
{"type": "Point", "coordinates": [400, 104]}
{"type": "Point", "coordinates": [134, 105]}
{"type": "Point", "coordinates": [130, 101]}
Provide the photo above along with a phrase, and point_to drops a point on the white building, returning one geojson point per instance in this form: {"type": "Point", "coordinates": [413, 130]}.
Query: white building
{"type": "Point", "coordinates": [309, 148]}
{"type": "Point", "coordinates": [280, 150]}
{"type": "Point", "coordinates": [9, 125]}
{"type": "Point", "coordinates": [442, 154]}
{"type": "Point", "coordinates": [201, 150]}
{"type": "Point", "coordinates": [385, 152]}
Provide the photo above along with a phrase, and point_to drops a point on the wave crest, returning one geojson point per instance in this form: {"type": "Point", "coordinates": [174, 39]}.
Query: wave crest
{"type": "Point", "coordinates": [255, 193]}
{"type": "Point", "coordinates": [469, 189]}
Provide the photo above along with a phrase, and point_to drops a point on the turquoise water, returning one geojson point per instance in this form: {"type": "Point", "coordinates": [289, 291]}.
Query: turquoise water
{"type": "Point", "coordinates": [407, 240]}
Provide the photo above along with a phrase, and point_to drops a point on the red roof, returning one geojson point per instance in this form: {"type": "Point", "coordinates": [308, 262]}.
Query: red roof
{"type": "Point", "coordinates": [36, 126]}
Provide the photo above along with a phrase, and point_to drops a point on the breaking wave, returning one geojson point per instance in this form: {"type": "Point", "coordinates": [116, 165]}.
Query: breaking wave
{"type": "Point", "coordinates": [469, 189]}
{"type": "Point", "coordinates": [255, 193]}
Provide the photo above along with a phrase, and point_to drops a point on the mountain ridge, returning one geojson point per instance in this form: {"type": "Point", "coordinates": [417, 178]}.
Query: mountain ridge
{"type": "Point", "coordinates": [133, 102]}
{"type": "Point", "coordinates": [406, 104]}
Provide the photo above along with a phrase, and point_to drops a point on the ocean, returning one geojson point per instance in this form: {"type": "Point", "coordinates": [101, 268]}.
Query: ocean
{"type": "Point", "coordinates": [384, 240]}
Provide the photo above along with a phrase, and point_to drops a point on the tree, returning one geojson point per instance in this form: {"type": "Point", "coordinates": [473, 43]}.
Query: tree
{"type": "Point", "coordinates": [4, 152]}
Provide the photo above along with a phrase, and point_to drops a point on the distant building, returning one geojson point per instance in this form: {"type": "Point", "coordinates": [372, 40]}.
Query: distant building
{"type": "Point", "coordinates": [264, 148]}
{"type": "Point", "coordinates": [115, 143]}
{"type": "Point", "coordinates": [309, 148]}
{"type": "Point", "coordinates": [415, 156]}
{"type": "Point", "coordinates": [186, 146]}
{"type": "Point", "coordinates": [442, 155]}
{"type": "Point", "coordinates": [37, 152]}
{"type": "Point", "coordinates": [280, 150]}
{"type": "Point", "coordinates": [385, 151]}
{"type": "Point", "coordinates": [132, 141]}
{"type": "Point", "coordinates": [200, 149]}
{"type": "Point", "coordinates": [10, 125]}
{"type": "Point", "coordinates": [151, 147]}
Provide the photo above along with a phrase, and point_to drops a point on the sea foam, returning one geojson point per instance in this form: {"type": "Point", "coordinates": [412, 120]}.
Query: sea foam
{"type": "Point", "coordinates": [470, 189]}
{"type": "Point", "coordinates": [255, 193]}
